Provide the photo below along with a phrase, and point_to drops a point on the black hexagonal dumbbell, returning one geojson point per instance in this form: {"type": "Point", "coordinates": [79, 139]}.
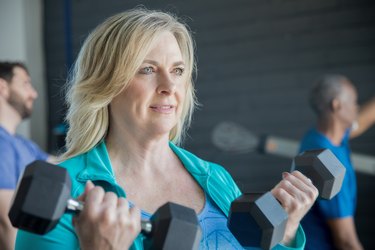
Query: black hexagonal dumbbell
{"type": "Point", "coordinates": [43, 196]}
{"type": "Point", "coordinates": [258, 220]}
{"type": "Point", "coordinates": [323, 168]}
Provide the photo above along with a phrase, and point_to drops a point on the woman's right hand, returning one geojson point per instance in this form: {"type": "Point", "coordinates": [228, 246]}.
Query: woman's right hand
{"type": "Point", "coordinates": [106, 221]}
{"type": "Point", "coordinates": [297, 194]}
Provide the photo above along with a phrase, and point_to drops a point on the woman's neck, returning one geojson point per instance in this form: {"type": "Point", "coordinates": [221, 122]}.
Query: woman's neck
{"type": "Point", "coordinates": [138, 154]}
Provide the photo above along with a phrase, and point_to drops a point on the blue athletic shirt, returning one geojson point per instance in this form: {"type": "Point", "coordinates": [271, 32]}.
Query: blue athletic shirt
{"type": "Point", "coordinates": [15, 153]}
{"type": "Point", "coordinates": [318, 235]}
{"type": "Point", "coordinates": [215, 233]}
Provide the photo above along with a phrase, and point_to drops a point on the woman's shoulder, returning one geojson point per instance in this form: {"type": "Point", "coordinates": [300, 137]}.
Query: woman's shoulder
{"type": "Point", "coordinates": [74, 164]}
{"type": "Point", "coordinates": [200, 167]}
{"type": "Point", "coordinates": [189, 158]}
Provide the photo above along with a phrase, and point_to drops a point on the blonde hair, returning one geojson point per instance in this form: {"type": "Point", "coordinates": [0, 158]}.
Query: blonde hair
{"type": "Point", "coordinates": [108, 60]}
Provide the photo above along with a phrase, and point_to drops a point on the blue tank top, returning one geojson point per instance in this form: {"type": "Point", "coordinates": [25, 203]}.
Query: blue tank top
{"type": "Point", "coordinates": [215, 233]}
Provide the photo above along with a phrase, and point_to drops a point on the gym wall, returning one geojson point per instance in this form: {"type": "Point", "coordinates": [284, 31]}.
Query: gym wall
{"type": "Point", "coordinates": [256, 63]}
{"type": "Point", "coordinates": [21, 40]}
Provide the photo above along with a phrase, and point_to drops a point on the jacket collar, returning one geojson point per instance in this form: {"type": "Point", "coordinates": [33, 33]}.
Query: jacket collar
{"type": "Point", "coordinates": [98, 165]}
{"type": "Point", "coordinates": [98, 169]}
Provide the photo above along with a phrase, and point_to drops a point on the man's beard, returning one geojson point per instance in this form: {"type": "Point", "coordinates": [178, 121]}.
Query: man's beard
{"type": "Point", "coordinates": [19, 105]}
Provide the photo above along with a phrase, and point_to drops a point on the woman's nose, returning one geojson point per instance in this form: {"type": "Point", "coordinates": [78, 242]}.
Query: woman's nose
{"type": "Point", "coordinates": [166, 85]}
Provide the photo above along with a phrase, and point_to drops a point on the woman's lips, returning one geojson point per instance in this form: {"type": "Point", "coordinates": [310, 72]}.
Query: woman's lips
{"type": "Point", "coordinates": [165, 109]}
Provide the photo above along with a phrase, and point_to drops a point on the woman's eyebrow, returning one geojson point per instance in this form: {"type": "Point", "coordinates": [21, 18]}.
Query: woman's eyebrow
{"type": "Point", "coordinates": [153, 62]}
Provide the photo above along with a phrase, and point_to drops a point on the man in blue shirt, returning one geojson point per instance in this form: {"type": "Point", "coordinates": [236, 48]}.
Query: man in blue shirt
{"type": "Point", "coordinates": [330, 223]}
{"type": "Point", "coordinates": [16, 102]}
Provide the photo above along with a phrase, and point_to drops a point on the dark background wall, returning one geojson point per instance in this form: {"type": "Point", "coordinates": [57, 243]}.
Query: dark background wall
{"type": "Point", "coordinates": [256, 63]}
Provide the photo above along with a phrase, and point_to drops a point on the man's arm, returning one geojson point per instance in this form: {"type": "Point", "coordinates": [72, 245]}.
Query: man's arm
{"type": "Point", "coordinates": [366, 118]}
{"type": "Point", "coordinates": [344, 234]}
{"type": "Point", "coordinates": [7, 231]}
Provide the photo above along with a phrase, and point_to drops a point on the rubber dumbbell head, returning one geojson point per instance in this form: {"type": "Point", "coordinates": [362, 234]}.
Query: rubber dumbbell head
{"type": "Point", "coordinates": [257, 220]}
{"type": "Point", "coordinates": [41, 198]}
{"type": "Point", "coordinates": [323, 168]}
{"type": "Point", "coordinates": [174, 227]}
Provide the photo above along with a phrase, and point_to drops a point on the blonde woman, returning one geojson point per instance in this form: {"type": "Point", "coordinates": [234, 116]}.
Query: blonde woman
{"type": "Point", "coordinates": [131, 100]}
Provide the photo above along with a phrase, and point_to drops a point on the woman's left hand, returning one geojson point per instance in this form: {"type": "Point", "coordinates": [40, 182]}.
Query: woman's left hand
{"type": "Point", "coordinates": [297, 194]}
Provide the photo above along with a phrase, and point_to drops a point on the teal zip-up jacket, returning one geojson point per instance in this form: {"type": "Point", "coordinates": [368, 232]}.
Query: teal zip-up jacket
{"type": "Point", "coordinates": [95, 165]}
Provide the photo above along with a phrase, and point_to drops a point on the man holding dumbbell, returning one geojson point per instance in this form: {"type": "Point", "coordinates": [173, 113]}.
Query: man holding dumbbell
{"type": "Point", "coordinates": [130, 102]}
{"type": "Point", "coordinates": [330, 223]}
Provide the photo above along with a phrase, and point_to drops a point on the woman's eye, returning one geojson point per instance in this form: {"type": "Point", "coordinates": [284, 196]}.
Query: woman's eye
{"type": "Point", "coordinates": [146, 70]}
{"type": "Point", "coordinates": [178, 71]}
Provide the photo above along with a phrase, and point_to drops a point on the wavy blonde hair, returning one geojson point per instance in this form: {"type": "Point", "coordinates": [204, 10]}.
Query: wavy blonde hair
{"type": "Point", "coordinates": [108, 60]}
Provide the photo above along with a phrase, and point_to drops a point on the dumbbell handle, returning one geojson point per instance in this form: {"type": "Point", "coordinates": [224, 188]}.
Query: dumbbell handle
{"type": "Point", "coordinates": [77, 206]}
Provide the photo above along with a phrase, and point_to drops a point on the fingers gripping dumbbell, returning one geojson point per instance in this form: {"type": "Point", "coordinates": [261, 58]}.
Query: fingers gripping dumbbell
{"type": "Point", "coordinates": [43, 196]}
{"type": "Point", "coordinates": [259, 219]}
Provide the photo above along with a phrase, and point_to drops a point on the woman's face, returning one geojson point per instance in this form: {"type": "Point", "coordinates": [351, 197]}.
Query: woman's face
{"type": "Point", "coordinates": [152, 103]}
